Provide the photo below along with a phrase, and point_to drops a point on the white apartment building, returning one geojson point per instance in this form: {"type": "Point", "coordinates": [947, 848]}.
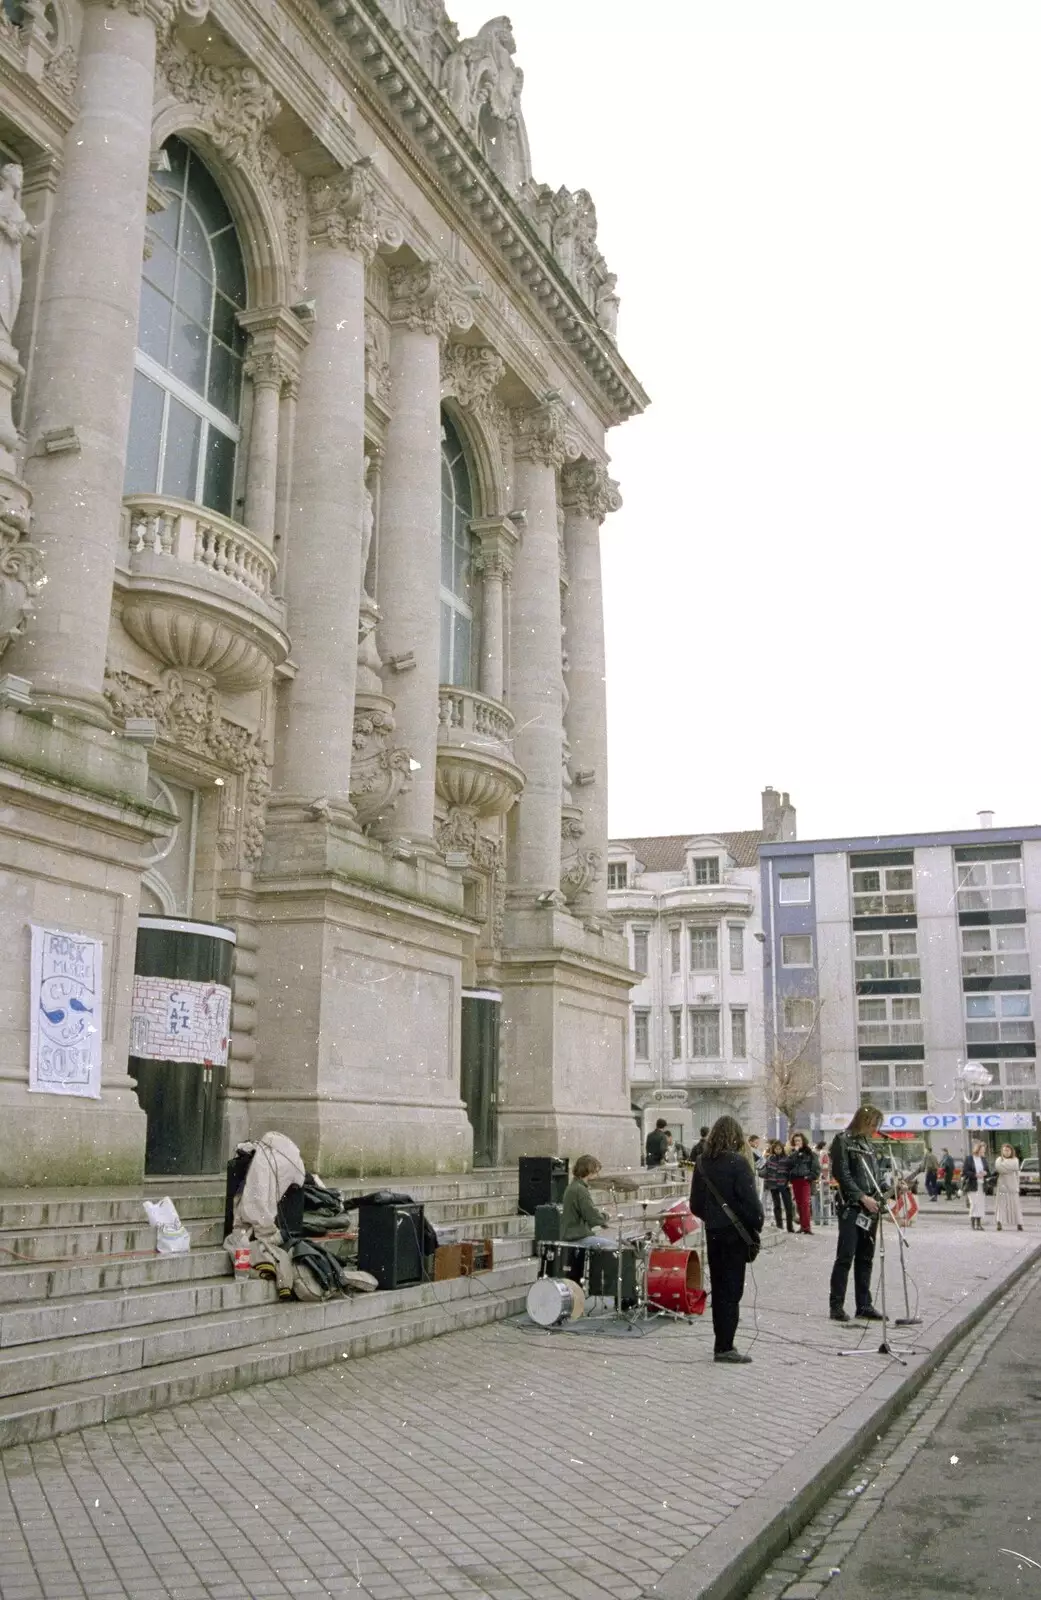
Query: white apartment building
{"type": "Point", "coordinates": [689, 906]}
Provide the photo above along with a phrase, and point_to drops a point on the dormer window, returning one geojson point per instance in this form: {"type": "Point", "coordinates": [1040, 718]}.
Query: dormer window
{"type": "Point", "coordinates": [706, 870]}
{"type": "Point", "coordinates": [617, 874]}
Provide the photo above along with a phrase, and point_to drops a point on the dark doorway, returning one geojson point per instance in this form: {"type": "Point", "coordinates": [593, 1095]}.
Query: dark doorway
{"type": "Point", "coordinates": [480, 1069]}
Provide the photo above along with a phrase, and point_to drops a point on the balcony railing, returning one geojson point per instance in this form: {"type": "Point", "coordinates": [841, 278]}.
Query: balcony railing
{"type": "Point", "coordinates": [191, 533]}
{"type": "Point", "coordinates": [475, 767]}
{"type": "Point", "coordinates": [886, 1033]}
{"type": "Point", "coordinates": [464, 715]}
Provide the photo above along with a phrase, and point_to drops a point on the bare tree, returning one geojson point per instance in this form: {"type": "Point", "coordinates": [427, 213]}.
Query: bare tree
{"type": "Point", "coordinates": [789, 1076]}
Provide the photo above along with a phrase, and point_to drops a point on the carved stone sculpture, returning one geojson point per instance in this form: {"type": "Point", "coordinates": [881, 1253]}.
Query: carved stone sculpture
{"type": "Point", "coordinates": [469, 373]}
{"type": "Point", "coordinates": [21, 565]}
{"type": "Point", "coordinates": [343, 210]}
{"type": "Point", "coordinates": [424, 299]}
{"type": "Point", "coordinates": [235, 104]}
{"type": "Point", "coordinates": [380, 773]}
{"type": "Point", "coordinates": [15, 229]}
{"type": "Point", "coordinates": [483, 86]}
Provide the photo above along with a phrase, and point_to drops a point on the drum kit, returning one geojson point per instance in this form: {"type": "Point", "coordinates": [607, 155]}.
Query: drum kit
{"type": "Point", "coordinates": [654, 1271]}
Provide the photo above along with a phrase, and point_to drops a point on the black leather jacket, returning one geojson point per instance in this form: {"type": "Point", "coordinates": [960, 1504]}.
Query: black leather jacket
{"type": "Point", "coordinates": [853, 1168]}
{"type": "Point", "coordinates": [803, 1163]}
{"type": "Point", "coordinates": [733, 1177]}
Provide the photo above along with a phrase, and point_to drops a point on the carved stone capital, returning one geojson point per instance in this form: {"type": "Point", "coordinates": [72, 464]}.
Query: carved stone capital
{"type": "Point", "coordinates": [234, 104]}
{"type": "Point", "coordinates": [540, 433]}
{"type": "Point", "coordinates": [343, 211]}
{"type": "Point", "coordinates": [586, 488]}
{"type": "Point", "coordinates": [424, 299]}
{"type": "Point", "coordinates": [469, 373]}
{"type": "Point", "coordinates": [269, 370]}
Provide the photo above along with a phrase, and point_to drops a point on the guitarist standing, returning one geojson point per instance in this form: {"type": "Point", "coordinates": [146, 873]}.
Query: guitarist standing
{"type": "Point", "coordinates": [723, 1194]}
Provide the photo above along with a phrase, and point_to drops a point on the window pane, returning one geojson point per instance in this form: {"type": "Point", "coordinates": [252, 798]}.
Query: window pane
{"type": "Point", "coordinates": [795, 891]}
{"type": "Point", "coordinates": [1011, 938]}
{"type": "Point", "coordinates": [874, 1076]}
{"type": "Point", "coordinates": [796, 950]}
{"type": "Point", "coordinates": [704, 950]}
{"type": "Point", "coordinates": [704, 1031]}
{"type": "Point", "coordinates": [160, 265]}
{"type": "Point", "coordinates": [195, 249]}
{"type": "Point", "coordinates": [462, 569]}
{"type": "Point", "coordinates": [231, 277]}
{"type": "Point", "coordinates": [899, 878]}
{"type": "Point", "coordinates": [1015, 1005]}
{"type": "Point", "coordinates": [225, 371]}
{"type": "Point", "coordinates": [872, 1011]}
{"type": "Point", "coordinates": [798, 1015]}
{"type": "Point", "coordinates": [979, 1005]}
{"type": "Point", "coordinates": [181, 460]}
{"type": "Point", "coordinates": [461, 651]}
{"type": "Point", "coordinates": [738, 1034]}
{"type": "Point", "coordinates": [640, 949]}
{"type": "Point", "coordinates": [188, 349]}
{"type": "Point", "coordinates": [973, 939]}
{"type": "Point", "coordinates": [677, 1034]}
{"type": "Point", "coordinates": [641, 1032]}
{"type": "Point", "coordinates": [206, 195]}
{"type": "Point", "coordinates": [163, 224]}
{"type": "Point", "coordinates": [146, 423]}
{"type": "Point", "coordinates": [869, 944]}
{"type": "Point", "coordinates": [909, 1076]}
{"type": "Point", "coordinates": [446, 643]}
{"type": "Point", "coordinates": [194, 296]}
{"type": "Point", "coordinates": [866, 882]}
{"type": "Point", "coordinates": [225, 325]}
{"type": "Point", "coordinates": [1020, 1073]}
{"type": "Point", "coordinates": [153, 326]}
{"type": "Point", "coordinates": [1006, 872]}
{"type": "Point", "coordinates": [674, 948]}
{"type": "Point", "coordinates": [706, 870]}
{"type": "Point", "coordinates": [903, 944]}
{"type": "Point", "coordinates": [906, 1010]}
{"type": "Point", "coordinates": [219, 482]}
{"type": "Point", "coordinates": [737, 948]}
{"type": "Point", "coordinates": [447, 555]}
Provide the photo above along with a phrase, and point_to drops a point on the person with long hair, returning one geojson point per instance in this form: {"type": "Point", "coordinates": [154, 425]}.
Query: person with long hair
{"type": "Point", "coordinates": [1010, 1212]}
{"type": "Point", "coordinates": [723, 1195]}
{"type": "Point", "coordinates": [805, 1169]}
{"type": "Point", "coordinates": [853, 1169]}
{"type": "Point", "coordinates": [777, 1181]}
{"type": "Point", "coordinates": [974, 1174]}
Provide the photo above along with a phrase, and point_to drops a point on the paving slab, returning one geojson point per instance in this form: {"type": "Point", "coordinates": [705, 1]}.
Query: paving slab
{"type": "Point", "coordinates": [498, 1461]}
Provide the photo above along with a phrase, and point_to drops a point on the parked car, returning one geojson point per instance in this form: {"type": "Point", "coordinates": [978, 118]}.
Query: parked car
{"type": "Point", "coordinates": [1029, 1178]}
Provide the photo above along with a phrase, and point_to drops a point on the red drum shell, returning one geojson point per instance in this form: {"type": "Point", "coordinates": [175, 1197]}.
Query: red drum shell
{"type": "Point", "coordinates": [674, 1281]}
{"type": "Point", "coordinates": [678, 1221]}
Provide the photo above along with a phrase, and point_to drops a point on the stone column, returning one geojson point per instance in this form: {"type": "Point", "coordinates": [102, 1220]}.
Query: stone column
{"type": "Point", "coordinates": [273, 363]}
{"type": "Point", "coordinates": [497, 541]}
{"type": "Point", "coordinates": [535, 675]}
{"type": "Point", "coordinates": [588, 495]}
{"type": "Point", "coordinates": [83, 363]}
{"type": "Point", "coordinates": [323, 571]}
{"type": "Point", "coordinates": [423, 309]}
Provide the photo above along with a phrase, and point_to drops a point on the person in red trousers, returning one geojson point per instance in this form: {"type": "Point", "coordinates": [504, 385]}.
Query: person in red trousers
{"type": "Point", "coordinates": [805, 1169]}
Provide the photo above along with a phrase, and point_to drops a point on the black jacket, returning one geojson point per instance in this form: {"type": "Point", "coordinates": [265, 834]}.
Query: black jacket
{"type": "Point", "coordinates": [804, 1164]}
{"type": "Point", "coordinates": [656, 1146]}
{"type": "Point", "coordinates": [733, 1177]}
{"type": "Point", "coordinates": [853, 1168]}
{"type": "Point", "coordinates": [969, 1180]}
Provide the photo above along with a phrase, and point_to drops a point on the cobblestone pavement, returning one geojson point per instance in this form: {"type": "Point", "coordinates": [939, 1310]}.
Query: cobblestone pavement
{"type": "Point", "coordinates": [520, 1465]}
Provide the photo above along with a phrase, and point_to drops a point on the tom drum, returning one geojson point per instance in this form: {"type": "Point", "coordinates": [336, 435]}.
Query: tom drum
{"type": "Point", "coordinates": [674, 1281]}
{"type": "Point", "coordinates": [553, 1301]}
{"type": "Point", "coordinates": [678, 1221]}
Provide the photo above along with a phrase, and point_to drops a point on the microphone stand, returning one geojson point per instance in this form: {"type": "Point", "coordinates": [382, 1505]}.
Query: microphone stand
{"type": "Point", "coordinates": [906, 1321]}
{"type": "Point", "coordinates": [885, 1348]}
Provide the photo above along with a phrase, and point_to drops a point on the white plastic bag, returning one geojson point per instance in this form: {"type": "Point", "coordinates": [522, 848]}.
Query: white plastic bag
{"type": "Point", "coordinates": [171, 1236]}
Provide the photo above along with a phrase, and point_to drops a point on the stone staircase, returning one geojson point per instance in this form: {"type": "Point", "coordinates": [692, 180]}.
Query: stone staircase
{"type": "Point", "coordinates": [94, 1325]}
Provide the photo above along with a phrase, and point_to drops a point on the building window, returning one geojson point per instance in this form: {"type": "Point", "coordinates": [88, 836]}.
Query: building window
{"type": "Point", "coordinates": [793, 889]}
{"type": "Point", "coordinates": [739, 1033]}
{"type": "Point", "coordinates": [889, 1019]}
{"type": "Point", "coordinates": [456, 561]}
{"type": "Point", "coordinates": [999, 952]}
{"type": "Point", "coordinates": [885, 956]}
{"type": "Point", "coordinates": [642, 1035]}
{"type": "Point", "coordinates": [676, 1017]}
{"type": "Point", "coordinates": [998, 1018]}
{"type": "Point", "coordinates": [799, 1016]}
{"type": "Point", "coordinates": [675, 958]}
{"type": "Point", "coordinates": [1013, 1086]}
{"type": "Point", "coordinates": [706, 870]}
{"type": "Point", "coordinates": [796, 950]}
{"type": "Point", "coordinates": [990, 885]}
{"type": "Point", "coordinates": [704, 949]}
{"type": "Point", "coordinates": [704, 1033]}
{"type": "Point", "coordinates": [736, 933]}
{"type": "Point", "coordinates": [883, 891]}
{"type": "Point", "coordinates": [617, 875]}
{"type": "Point", "coordinates": [640, 949]}
{"type": "Point", "coordinates": [184, 419]}
{"type": "Point", "coordinates": [894, 1087]}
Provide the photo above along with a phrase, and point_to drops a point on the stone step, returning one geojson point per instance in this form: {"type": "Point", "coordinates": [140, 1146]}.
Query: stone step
{"type": "Point", "coordinates": [43, 1281]}
{"type": "Point", "coordinates": [81, 1207]}
{"type": "Point", "coordinates": [81, 1243]}
{"type": "Point", "coordinates": [305, 1336]}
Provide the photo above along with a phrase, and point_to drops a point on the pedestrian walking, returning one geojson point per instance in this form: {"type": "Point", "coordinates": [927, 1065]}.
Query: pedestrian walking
{"type": "Point", "coordinates": [853, 1170]}
{"type": "Point", "coordinates": [723, 1195]}
{"type": "Point", "coordinates": [974, 1173]}
{"type": "Point", "coordinates": [656, 1142]}
{"type": "Point", "coordinates": [804, 1170]}
{"type": "Point", "coordinates": [946, 1173]}
{"type": "Point", "coordinates": [932, 1176]}
{"type": "Point", "coordinates": [776, 1175]}
{"type": "Point", "coordinates": [1010, 1212]}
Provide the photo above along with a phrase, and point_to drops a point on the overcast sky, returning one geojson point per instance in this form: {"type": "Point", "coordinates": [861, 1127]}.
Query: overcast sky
{"type": "Point", "coordinates": [824, 221]}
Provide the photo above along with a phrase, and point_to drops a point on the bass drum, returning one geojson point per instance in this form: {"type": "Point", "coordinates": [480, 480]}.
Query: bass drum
{"type": "Point", "coordinates": [553, 1301]}
{"type": "Point", "coordinates": [678, 1221]}
{"type": "Point", "coordinates": [674, 1281]}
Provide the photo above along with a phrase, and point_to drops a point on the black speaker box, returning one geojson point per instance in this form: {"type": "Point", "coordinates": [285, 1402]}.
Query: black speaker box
{"type": "Point", "coordinates": [603, 1275]}
{"type": "Point", "coordinates": [541, 1182]}
{"type": "Point", "coordinates": [547, 1222]}
{"type": "Point", "coordinates": [390, 1244]}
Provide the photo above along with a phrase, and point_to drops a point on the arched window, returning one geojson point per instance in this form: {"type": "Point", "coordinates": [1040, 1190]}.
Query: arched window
{"type": "Point", "coordinates": [456, 561]}
{"type": "Point", "coordinates": [184, 425]}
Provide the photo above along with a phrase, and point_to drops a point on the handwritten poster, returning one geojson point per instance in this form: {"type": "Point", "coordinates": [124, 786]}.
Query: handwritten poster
{"type": "Point", "coordinates": [65, 1030]}
{"type": "Point", "coordinates": [174, 1019]}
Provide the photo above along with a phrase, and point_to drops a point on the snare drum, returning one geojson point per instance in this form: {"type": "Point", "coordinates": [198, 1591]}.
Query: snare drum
{"type": "Point", "coordinates": [674, 1281]}
{"type": "Point", "coordinates": [678, 1221]}
{"type": "Point", "coordinates": [553, 1301]}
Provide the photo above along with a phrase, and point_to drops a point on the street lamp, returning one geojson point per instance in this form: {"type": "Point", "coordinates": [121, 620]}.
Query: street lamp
{"type": "Point", "coordinates": [971, 1080]}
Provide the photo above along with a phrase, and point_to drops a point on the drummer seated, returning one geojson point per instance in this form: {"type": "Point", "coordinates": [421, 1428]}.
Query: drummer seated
{"type": "Point", "coordinates": [579, 1216]}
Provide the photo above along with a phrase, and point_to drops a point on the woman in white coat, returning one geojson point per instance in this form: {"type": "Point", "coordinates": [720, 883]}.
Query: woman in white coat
{"type": "Point", "coordinates": [1010, 1212]}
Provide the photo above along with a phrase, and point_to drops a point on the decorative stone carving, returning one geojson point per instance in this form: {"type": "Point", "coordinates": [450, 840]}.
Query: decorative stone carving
{"type": "Point", "coordinates": [342, 211]}
{"type": "Point", "coordinates": [586, 488]}
{"type": "Point", "coordinates": [288, 191]}
{"type": "Point", "coordinates": [377, 360]}
{"type": "Point", "coordinates": [469, 373]}
{"type": "Point", "coordinates": [578, 868]}
{"type": "Point", "coordinates": [21, 564]}
{"type": "Point", "coordinates": [15, 229]}
{"type": "Point", "coordinates": [234, 104]}
{"type": "Point", "coordinates": [607, 304]}
{"type": "Point", "coordinates": [424, 299]}
{"type": "Point", "coordinates": [269, 369]}
{"type": "Point", "coordinates": [61, 72]}
{"type": "Point", "coordinates": [483, 86]}
{"type": "Point", "coordinates": [380, 774]}
{"type": "Point", "coordinates": [189, 718]}
{"type": "Point", "coordinates": [418, 21]}
{"type": "Point", "coordinates": [540, 433]}
{"type": "Point", "coordinates": [459, 834]}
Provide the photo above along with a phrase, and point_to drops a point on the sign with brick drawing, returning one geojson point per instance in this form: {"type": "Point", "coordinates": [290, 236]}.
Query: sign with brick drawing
{"type": "Point", "coordinates": [65, 1030]}
{"type": "Point", "coordinates": [176, 1019]}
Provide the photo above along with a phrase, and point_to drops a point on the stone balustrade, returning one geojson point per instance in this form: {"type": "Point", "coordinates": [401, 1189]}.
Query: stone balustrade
{"type": "Point", "coordinates": [475, 769]}
{"type": "Point", "coordinates": [465, 714]}
{"type": "Point", "coordinates": [191, 533]}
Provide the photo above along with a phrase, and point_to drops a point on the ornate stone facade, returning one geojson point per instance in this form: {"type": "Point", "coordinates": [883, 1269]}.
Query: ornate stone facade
{"type": "Point", "coordinates": [292, 620]}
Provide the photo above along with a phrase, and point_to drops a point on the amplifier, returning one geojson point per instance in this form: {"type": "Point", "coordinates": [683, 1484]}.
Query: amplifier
{"type": "Point", "coordinates": [547, 1222]}
{"type": "Point", "coordinates": [603, 1275]}
{"type": "Point", "coordinates": [390, 1244]}
{"type": "Point", "coordinates": [541, 1181]}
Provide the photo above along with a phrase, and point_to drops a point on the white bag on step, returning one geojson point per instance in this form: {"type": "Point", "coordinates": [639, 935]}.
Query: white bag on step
{"type": "Point", "coordinates": [171, 1236]}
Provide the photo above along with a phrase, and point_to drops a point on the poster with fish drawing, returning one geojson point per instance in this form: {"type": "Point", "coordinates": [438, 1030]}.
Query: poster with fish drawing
{"type": "Point", "coordinates": [65, 1014]}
